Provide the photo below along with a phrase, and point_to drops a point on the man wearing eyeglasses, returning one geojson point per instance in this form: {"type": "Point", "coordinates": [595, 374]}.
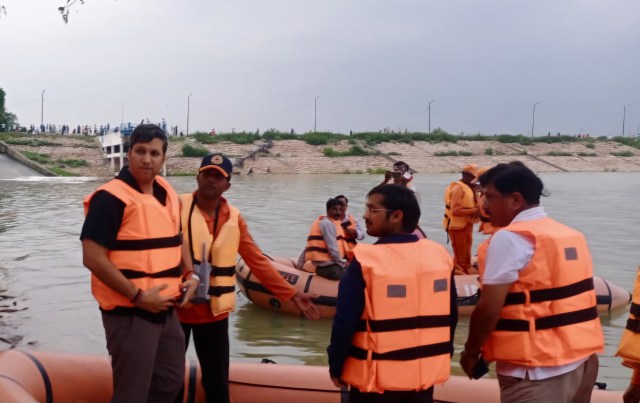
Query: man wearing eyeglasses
{"type": "Point", "coordinates": [392, 336]}
{"type": "Point", "coordinates": [326, 245]}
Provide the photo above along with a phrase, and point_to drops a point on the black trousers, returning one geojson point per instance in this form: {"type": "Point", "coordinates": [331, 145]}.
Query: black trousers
{"type": "Point", "coordinates": [409, 396]}
{"type": "Point", "coordinates": [212, 347]}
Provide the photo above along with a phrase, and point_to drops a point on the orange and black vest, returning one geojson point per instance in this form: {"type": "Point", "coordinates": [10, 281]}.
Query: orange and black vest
{"type": "Point", "coordinates": [403, 339]}
{"type": "Point", "coordinates": [221, 252]}
{"type": "Point", "coordinates": [349, 242]}
{"type": "Point", "coordinates": [550, 316]}
{"type": "Point", "coordinates": [451, 221]}
{"type": "Point", "coordinates": [147, 249]}
{"type": "Point", "coordinates": [629, 348]}
{"type": "Point", "coordinates": [316, 249]}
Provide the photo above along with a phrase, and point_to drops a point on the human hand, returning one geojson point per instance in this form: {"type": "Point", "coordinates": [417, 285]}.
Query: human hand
{"type": "Point", "coordinates": [387, 176]}
{"type": "Point", "coordinates": [151, 300]}
{"type": "Point", "coordinates": [351, 233]}
{"type": "Point", "coordinates": [191, 285]}
{"type": "Point", "coordinates": [468, 362]}
{"type": "Point", "coordinates": [304, 304]}
{"type": "Point", "coordinates": [632, 394]}
{"type": "Point", "coordinates": [338, 382]}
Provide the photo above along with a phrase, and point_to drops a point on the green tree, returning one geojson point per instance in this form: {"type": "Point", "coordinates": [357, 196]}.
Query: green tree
{"type": "Point", "coordinates": [6, 118]}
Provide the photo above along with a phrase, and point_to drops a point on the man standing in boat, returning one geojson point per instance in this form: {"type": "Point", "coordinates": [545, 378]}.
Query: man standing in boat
{"type": "Point", "coordinates": [352, 230]}
{"type": "Point", "coordinates": [209, 221]}
{"type": "Point", "coordinates": [392, 336]}
{"type": "Point", "coordinates": [131, 242]}
{"type": "Point", "coordinates": [326, 245]}
{"type": "Point", "coordinates": [535, 272]}
{"type": "Point", "coordinates": [461, 210]}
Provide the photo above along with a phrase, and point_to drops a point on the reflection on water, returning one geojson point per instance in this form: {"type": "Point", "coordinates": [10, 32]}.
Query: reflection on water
{"type": "Point", "coordinates": [41, 263]}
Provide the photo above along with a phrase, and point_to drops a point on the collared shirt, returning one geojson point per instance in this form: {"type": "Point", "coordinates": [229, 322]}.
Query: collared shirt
{"type": "Point", "coordinates": [351, 302]}
{"type": "Point", "coordinates": [508, 253]}
{"type": "Point", "coordinates": [328, 229]}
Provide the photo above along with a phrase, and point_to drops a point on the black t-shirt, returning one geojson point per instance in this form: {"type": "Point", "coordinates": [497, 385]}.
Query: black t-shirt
{"type": "Point", "coordinates": [104, 217]}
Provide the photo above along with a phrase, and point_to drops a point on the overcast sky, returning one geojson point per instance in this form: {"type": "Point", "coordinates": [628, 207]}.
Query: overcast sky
{"type": "Point", "coordinates": [260, 64]}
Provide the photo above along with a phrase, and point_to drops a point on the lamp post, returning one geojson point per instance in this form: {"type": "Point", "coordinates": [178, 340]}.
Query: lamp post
{"type": "Point", "coordinates": [188, 104]}
{"type": "Point", "coordinates": [430, 114]}
{"type": "Point", "coordinates": [42, 108]}
{"type": "Point", "coordinates": [624, 115]}
{"type": "Point", "coordinates": [122, 116]}
{"type": "Point", "coordinates": [315, 112]}
{"type": "Point", "coordinates": [533, 120]}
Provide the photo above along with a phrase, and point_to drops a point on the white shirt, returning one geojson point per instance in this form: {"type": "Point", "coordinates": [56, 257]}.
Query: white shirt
{"type": "Point", "coordinates": [508, 253]}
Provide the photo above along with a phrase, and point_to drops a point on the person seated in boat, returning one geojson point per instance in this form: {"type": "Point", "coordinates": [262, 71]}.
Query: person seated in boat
{"type": "Point", "coordinates": [537, 272]}
{"type": "Point", "coordinates": [401, 175]}
{"type": "Point", "coordinates": [216, 230]}
{"type": "Point", "coordinates": [132, 244]}
{"type": "Point", "coordinates": [403, 284]}
{"type": "Point", "coordinates": [326, 246]}
{"type": "Point", "coordinates": [352, 230]}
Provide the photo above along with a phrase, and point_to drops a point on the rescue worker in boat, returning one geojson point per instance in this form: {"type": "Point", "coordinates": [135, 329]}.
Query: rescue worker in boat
{"type": "Point", "coordinates": [352, 230]}
{"type": "Point", "coordinates": [209, 220]}
{"type": "Point", "coordinates": [535, 272]}
{"type": "Point", "coordinates": [326, 246]}
{"type": "Point", "coordinates": [629, 348]}
{"type": "Point", "coordinates": [392, 336]}
{"type": "Point", "coordinates": [461, 210]}
{"type": "Point", "coordinates": [485, 226]}
{"type": "Point", "coordinates": [131, 243]}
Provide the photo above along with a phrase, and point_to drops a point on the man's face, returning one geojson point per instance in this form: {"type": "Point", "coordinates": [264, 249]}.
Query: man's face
{"type": "Point", "coordinates": [467, 178]}
{"type": "Point", "coordinates": [336, 212]}
{"type": "Point", "coordinates": [345, 205]}
{"type": "Point", "coordinates": [501, 209]}
{"type": "Point", "coordinates": [145, 160]}
{"type": "Point", "coordinates": [376, 216]}
{"type": "Point", "coordinates": [212, 183]}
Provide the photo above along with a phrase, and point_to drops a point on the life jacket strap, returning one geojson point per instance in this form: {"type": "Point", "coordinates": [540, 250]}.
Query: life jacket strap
{"type": "Point", "coordinates": [633, 325]}
{"type": "Point", "coordinates": [217, 291]}
{"type": "Point", "coordinates": [416, 322]}
{"type": "Point", "coordinates": [149, 243]}
{"type": "Point", "coordinates": [551, 294]}
{"type": "Point", "coordinates": [135, 274]}
{"type": "Point", "coordinates": [405, 354]}
{"type": "Point", "coordinates": [549, 322]}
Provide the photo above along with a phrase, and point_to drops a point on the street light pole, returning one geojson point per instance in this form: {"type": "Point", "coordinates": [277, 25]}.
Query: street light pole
{"type": "Point", "coordinates": [122, 116]}
{"type": "Point", "coordinates": [533, 120]}
{"type": "Point", "coordinates": [42, 108]}
{"type": "Point", "coordinates": [188, 104]}
{"type": "Point", "coordinates": [430, 114]}
{"type": "Point", "coordinates": [624, 115]}
{"type": "Point", "coordinates": [315, 112]}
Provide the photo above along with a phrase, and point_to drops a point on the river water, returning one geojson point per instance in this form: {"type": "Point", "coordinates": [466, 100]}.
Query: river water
{"type": "Point", "coordinates": [42, 274]}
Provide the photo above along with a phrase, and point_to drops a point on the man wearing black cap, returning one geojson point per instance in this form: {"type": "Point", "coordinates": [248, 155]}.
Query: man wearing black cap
{"type": "Point", "coordinates": [215, 229]}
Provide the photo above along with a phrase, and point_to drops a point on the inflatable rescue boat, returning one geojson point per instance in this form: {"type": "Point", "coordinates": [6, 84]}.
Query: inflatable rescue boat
{"type": "Point", "coordinates": [35, 376]}
{"type": "Point", "coordinates": [609, 295]}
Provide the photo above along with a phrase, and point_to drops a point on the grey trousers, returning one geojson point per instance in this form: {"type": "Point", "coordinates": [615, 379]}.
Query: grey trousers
{"type": "Point", "coordinates": [147, 358]}
{"type": "Point", "coordinates": [573, 387]}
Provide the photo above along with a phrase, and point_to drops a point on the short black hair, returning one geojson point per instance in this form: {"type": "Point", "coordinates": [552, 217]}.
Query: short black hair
{"type": "Point", "coordinates": [514, 177]}
{"type": "Point", "coordinates": [398, 197]}
{"type": "Point", "coordinates": [398, 163]}
{"type": "Point", "coordinates": [333, 202]}
{"type": "Point", "coordinates": [145, 133]}
{"type": "Point", "coordinates": [342, 197]}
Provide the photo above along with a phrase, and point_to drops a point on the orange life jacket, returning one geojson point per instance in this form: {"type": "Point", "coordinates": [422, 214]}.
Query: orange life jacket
{"type": "Point", "coordinates": [316, 249]}
{"type": "Point", "coordinates": [451, 221]}
{"type": "Point", "coordinates": [222, 253]}
{"type": "Point", "coordinates": [550, 316]}
{"type": "Point", "coordinates": [350, 243]}
{"type": "Point", "coordinates": [148, 243]}
{"type": "Point", "coordinates": [629, 347]}
{"type": "Point", "coordinates": [403, 339]}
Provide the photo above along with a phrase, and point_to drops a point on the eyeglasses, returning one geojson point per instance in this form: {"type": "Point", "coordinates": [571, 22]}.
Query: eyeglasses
{"type": "Point", "coordinates": [373, 210]}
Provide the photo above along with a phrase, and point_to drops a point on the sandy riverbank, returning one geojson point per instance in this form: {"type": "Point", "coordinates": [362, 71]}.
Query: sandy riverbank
{"type": "Point", "coordinates": [298, 157]}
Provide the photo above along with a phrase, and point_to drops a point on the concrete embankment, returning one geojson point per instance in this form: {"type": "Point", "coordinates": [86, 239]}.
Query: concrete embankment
{"type": "Point", "coordinates": [14, 165]}
{"type": "Point", "coordinates": [298, 157]}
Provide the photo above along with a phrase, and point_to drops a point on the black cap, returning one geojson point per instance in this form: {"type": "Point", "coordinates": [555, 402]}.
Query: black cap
{"type": "Point", "coordinates": [217, 161]}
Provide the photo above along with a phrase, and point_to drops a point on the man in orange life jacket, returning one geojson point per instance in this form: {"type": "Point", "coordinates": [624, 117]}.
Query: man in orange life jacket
{"type": "Point", "coordinates": [629, 348]}
{"type": "Point", "coordinates": [132, 244]}
{"type": "Point", "coordinates": [207, 218]}
{"type": "Point", "coordinates": [352, 230]}
{"type": "Point", "coordinates": [392, 335]}
{"type": "Point", "coordinates": [461, 210]}
{"type": "Point", "coordinates": [326, 247]}
{"type": "Point", "coordinates": [535, 272]}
